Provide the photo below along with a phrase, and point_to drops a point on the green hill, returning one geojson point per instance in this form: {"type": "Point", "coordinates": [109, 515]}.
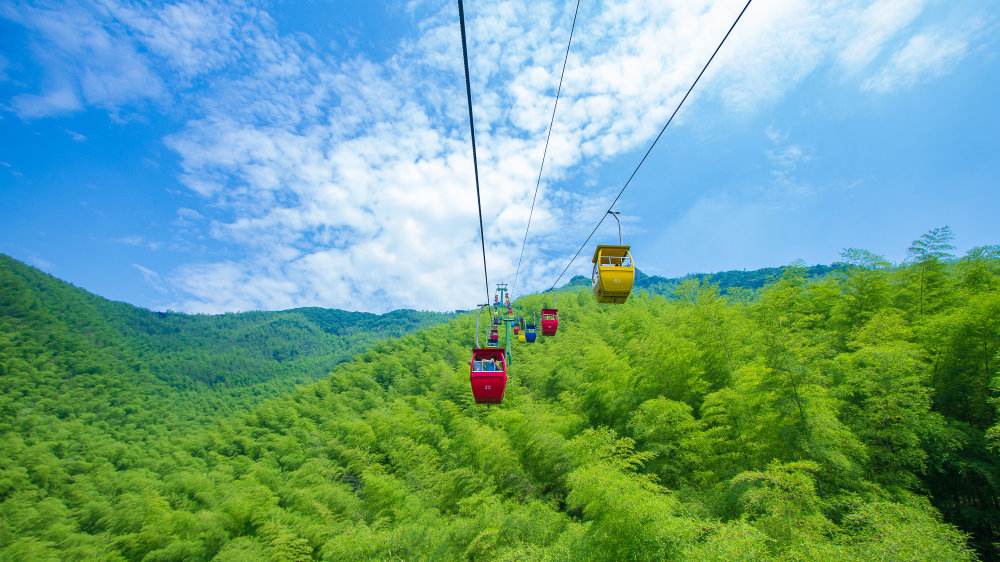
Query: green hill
{"type": "Point", "coordinates": [726, 281]}
{"type": "Point", "coordinates": [69, 353]}
{"type": "Point", "coordinates": [829, 418]}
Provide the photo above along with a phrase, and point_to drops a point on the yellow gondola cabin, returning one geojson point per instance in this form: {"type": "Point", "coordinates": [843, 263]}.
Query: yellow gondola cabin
{"type": "Point", "coordinates": [614, 273]}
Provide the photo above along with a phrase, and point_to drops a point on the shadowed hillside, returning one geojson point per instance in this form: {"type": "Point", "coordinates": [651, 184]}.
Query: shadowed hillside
{"type": "Point", "coordinates": [70, 353]}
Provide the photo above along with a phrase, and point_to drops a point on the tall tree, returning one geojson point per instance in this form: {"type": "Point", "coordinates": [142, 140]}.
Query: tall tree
{"type": "Point", "coordinates": [928, 253]}
{"type": "Point", "coordinates": [866, 287]}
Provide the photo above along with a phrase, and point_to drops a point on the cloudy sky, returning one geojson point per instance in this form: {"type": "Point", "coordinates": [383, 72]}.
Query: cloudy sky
{"type": "Point", "coordinates": [209, 157]}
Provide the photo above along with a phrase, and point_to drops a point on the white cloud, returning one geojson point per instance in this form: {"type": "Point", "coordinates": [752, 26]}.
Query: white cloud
{"type": "Point", "coordinates": [926, 55]}
{"type": "Point", "coordinates": [77, 137]}
{"type": "Point", "coordinates": [878, 23]}
{"type": "Point", "coordinates": [139, 242]}
{"type": "Point", "coordinates": [10, 168]}
{"type": "Point", "coordinates": [40, 262]}
{"type": "Point", "coordinates": [193, 37]}
{"type": "Point", "coordinates": [56, 99]}
{"type": "Point", "coordinates": [347, 182]}
{"type": "Point", "coordinates": [85, 61]}
{"type": "Point", "coordinates": [186, 216]}
{"type": "Point", "coordinates": [784, 156]}
{"type": "Point", "coordinates": [152, 278]}
{"type": "Point", "coordinates": [371, 206]}
{"type": "Point", "coordinates": [228, 286]}
{"type": "Point", "coordinates": [131, 240]}
{"type": "Point", "coordinates": [110, 53]}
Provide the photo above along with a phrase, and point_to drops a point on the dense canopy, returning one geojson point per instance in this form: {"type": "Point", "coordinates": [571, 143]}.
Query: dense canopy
{"type": "Point", "coordinates": [850, 416]}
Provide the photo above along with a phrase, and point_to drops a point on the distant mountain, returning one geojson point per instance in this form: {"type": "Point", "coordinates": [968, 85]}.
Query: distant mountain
{"type": "Point", "coordinates": [753, 279]}
{"type": "Point", "coordinates": [57, 338]}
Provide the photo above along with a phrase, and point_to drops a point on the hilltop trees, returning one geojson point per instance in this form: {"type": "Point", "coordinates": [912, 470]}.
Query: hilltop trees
{"type": "Point", "coordinates": [928, 255]}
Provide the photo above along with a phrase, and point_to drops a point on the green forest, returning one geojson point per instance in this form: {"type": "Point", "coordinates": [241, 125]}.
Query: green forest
{"type": "Point", "coordinates": [131, 366]}
{"type": "Point", "coordinates": [846, 413]}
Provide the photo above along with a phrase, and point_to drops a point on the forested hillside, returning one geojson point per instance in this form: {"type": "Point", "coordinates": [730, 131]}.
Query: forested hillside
{"type": "Point", "coordinates": [847, 417]}
{"type": "Point", "coordinates": [72, 354]}
{"type": "Point", "coordinates": [734, 281]}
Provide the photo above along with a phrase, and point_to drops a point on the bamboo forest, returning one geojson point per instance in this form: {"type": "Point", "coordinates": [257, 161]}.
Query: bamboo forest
{"type": "Point", "coordinates": [846, 416]}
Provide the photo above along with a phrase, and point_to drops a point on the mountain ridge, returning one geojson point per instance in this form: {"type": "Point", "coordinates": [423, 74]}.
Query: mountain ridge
{"type": "Point", "coordinates": [246, 355]}
{"type": "Point", "coordinates": [750, 279]}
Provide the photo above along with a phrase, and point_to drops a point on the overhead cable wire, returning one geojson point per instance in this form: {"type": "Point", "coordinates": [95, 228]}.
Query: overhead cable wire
{"type": "Point", "coordinates": [475, 158]}
{"type": "Point", "coordinates": [545, 151]}
{"type": "Point", "coordinates": [651, 146]}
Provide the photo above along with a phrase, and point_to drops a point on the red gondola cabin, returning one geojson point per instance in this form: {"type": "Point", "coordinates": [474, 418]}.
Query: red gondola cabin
{"type": "Point", "coordinates": [488, 375]}
{"type": "Point", "coordinates": [550, 321]}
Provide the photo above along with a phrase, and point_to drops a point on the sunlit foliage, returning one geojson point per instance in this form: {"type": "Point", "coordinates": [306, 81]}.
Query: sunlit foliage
{"type": "Point", "coordinates": [851, 416]}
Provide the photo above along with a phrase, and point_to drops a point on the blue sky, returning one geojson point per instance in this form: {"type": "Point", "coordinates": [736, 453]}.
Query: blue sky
{"type": "Point", "coordinates": [222, 156]}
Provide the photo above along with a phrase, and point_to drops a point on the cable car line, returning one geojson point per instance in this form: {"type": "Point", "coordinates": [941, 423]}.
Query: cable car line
{"type": "Point", "coordinates": [651, 146]}
{"type": "Point", "coordinates": [475, 158]}
{"type": "Point", "coordinates": [545, 151]}
{"type": "Point", "coordinates": [488, 366]}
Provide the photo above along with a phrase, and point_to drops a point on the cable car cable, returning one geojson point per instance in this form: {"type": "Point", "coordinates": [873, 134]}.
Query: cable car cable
{"type": "Point", "coordinates": [545, 151]}
{"type": "Point", "coordinates": [475, 158]}
{"type": "Point", "coordinates": [651, 146]}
